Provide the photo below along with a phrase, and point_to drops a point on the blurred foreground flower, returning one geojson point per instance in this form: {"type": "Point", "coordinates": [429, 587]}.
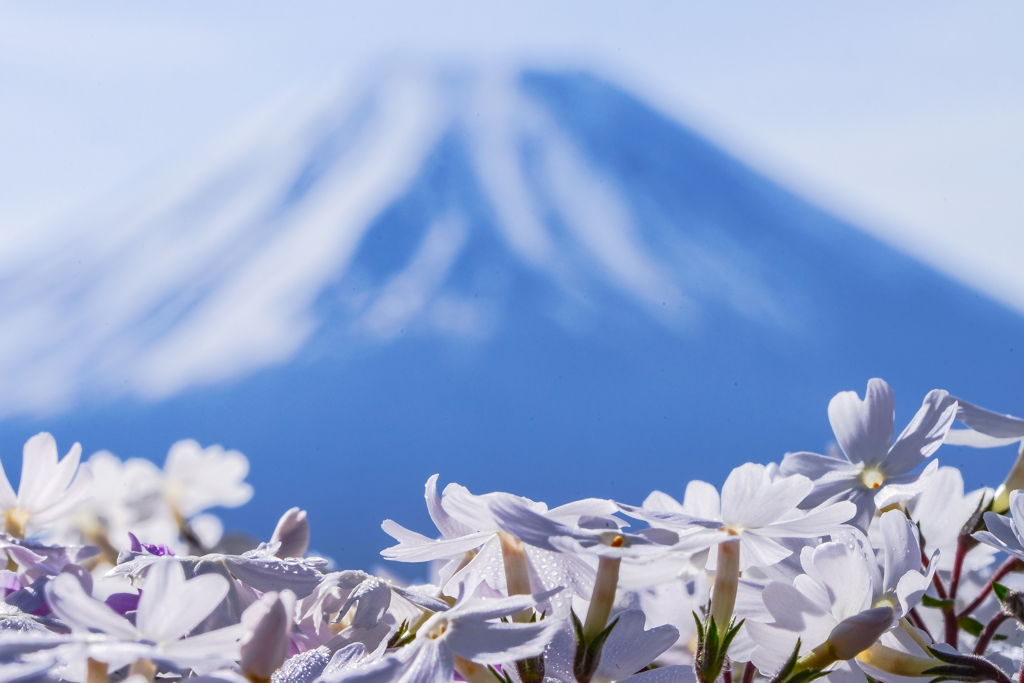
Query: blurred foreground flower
{"type": "Point", "coordinates": [854, 568]}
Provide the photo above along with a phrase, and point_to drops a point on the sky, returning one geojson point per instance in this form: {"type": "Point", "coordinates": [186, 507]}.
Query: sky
{"type": "Point", "coordinates": [904, 118]}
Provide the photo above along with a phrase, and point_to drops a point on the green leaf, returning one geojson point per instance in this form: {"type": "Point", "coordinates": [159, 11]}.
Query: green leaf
{"type": "Point", "coordinates": [929, 601]}
{"type": "Point", "coordinates": [972, 626]}
{"type": "Point", "coordinates": [1001, 591]}
{"type": "Point", "coordinates": [787, 668]}
{"type": "Point", "coordinates": [733, 629]}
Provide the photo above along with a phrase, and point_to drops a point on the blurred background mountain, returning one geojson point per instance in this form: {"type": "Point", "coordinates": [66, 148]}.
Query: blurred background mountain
{"type": "Point", "coordinates": [560, 264]}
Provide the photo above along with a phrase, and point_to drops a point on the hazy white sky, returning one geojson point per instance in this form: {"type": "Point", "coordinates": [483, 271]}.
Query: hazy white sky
{"type": "Point", "coordinates": [904, 117]}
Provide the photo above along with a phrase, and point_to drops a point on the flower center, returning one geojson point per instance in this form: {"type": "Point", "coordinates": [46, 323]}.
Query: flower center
{"type": "Point", "coordinates": [438, 629]}
{"type": "Point", "coordinates": [872, 478]}
{"type": "Point", "coordinates": [15, 521]}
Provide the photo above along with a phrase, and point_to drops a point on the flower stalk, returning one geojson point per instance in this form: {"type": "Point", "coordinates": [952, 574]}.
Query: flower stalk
{"type": "Point", "coordinates": [727, 579]}
{"type": "Point", "coordinates": [603, 598]}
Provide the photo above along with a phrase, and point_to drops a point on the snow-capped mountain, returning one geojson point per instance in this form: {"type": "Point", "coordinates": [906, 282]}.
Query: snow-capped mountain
{"type": "Point", "coordinates": [523, 280]}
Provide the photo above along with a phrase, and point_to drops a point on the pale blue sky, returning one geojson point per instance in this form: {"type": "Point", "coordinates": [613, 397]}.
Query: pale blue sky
{"type": "Point", "coordinates": [903, 117]}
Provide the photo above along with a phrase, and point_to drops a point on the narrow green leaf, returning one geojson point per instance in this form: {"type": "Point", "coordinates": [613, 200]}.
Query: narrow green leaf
{"type": "Point", "coordinates": [971, 625]}
{"type": "Point", "coordinates": [929, 601]}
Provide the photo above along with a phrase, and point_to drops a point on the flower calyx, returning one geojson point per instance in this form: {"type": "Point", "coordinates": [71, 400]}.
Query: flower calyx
{"type": "Point", "coordinates": [961, 667]}
{"type": "Point", "coordinates": [588, 650]}
{"type": "Point", "coordinates": [712, 647]}
{"type": "Point", "coordinates": [1011, 602]}
{"type": "Point", "coordinates": [795, 671]}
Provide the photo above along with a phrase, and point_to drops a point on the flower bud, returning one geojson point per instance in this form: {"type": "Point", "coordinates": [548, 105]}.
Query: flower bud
{"type": "Point", "coordinates": [1014, 481]}
{"type": "Point", "coordinates": [855, 634]}
{"type": "Point", "coordinates": [269, 622]}
{"type": "Point", "coordinates": [292, 533]}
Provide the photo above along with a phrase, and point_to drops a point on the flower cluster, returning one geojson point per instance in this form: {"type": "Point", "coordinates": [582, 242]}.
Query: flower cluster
{"type": "Point", "coordinates": [870, 563]}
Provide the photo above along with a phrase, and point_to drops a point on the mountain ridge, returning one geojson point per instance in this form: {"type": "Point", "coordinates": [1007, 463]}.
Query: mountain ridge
{"type": "Point", "coordinates": [574, 296]}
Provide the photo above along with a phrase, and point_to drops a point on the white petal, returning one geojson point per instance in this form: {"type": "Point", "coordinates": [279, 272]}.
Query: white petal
{"type": "Point", "coordinates": [471, 510]}
{"type": "Point", "coordinates": [38, 466]}
{"type": "Point", "coordinates": [170, 607]}
{"type": "Point", "coordinates": [904, 487]}
{"type": "Point", "coordinates": [1000, 535]}
{"type": "Point", "coordinates": [989, 423]}
{"type": "Point", "coordinates": [372, 597]}
{"type": "Point", "coordinates": [864, 429]}
{"type": "Point", "coordinates": [486, 642]}
{"type": "Point", "coordinates": [528, 526]}
{"type": "Point", "coordinates": [675, 673]}
{"type": "Point", "coordinates": [415, 547]}
{"type": "Point", "coordinates": [8, 499]}
{"type": "Point", "coordinates": [662, 501]}
{"type": "Point", "coordinates": [922, 436]}
{"type": "Point", "coordinates": [483, 609]}
{"type": "Point", "coordinates": [570, 513]}
{"type": "Point", "coordinates": [774, 645]}
{"type": "Point", "coordinates": [223, 644]}
{"type": "Point", "coordinates": [630, 648]}
{"type": "Point", "coordinates": [910, 589]}
{"type": "Point", "coordinates": [76, 494]}
{"type": "Point", "coordinates": [702, 500]}
{"type": "Point", "coordinates": [69, 601]}
{"type": "Point", "coordinates": [758, 551]}
{"type": "Point", "coordinates": [901, 549]}
{"type": "Point", "coordinates": [1017, 513]}
{"type": "Point", "coordinates": [423, 662]}
{"type": "Point", "coordinates": [849, 672]}
{"type": "Point", "coordinates": [843, 572]}
{"type": "Point", "coordinates": [750, 499]}
{"type": "Point", "coordinates": [969, 437]}
{"type": "Point", "coordinates": [445, 523]}
{"type": "Point", "coordinates": [820, 521]}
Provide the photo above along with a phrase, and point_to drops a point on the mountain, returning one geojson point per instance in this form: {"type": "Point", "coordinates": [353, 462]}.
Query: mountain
{"type": "Point", "coordinates": [526, 281]}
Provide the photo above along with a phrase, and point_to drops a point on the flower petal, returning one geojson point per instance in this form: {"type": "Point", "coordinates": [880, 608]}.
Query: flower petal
{"type": "Point", "coordinates": [864, 429]}
{"type": "Point", "coordinates": [904, 487]}
{"type": "Point", "coordinates": [445, 523]}
{"type": "Point", "coordinates": [486, 642]}
{"type": "Point", "coordinates": [750, 499]}
{"type": "Point", "coordinates": [630, 648]}
{"type": "Point", "coordinates": [922, 436]}
{"type": "Point", "coordinates": [989, 423]}
{"type": "Point", "coordinates": [170, 606]}
{"type": "Point", "coordinates": [69, 601]}
{"type": "Point", "coordinates": [902, 551]}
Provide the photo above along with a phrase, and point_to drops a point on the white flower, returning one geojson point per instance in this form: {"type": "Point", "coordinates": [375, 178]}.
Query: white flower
{"type": "Point", "coordinates": [537, 530]}
{"type": "Point", "coordinates": [470, 631]}
{"type": "Point", "coordinates": [872, 470]}
{"type": "Point", "coordinates": [629, 649]}
{"type": "Point", "coordinates": [941, 510]}
{"type": "Point", "coordinates": [900, 585]}
{"type": "Point", "coordinates": [197, 478]}
{"type": "Point", "coordinates": [467, 523]}
{"type": "Point", "coordinates": [268, 625]}
{"type": "Point", "coordinates": [837, 585]}
{"type": "Point", "coordinates": [170, 607]}
{"type": "Point", "coordinates": [755, 509]}
{"type": "Point", "coordinates": [1005, 534]}
{"type": "Point", "coordinates": [49, 489]}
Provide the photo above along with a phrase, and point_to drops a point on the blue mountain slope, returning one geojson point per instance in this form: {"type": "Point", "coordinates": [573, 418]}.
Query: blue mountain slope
{"type": "Point", "coordinates": [440, 347]}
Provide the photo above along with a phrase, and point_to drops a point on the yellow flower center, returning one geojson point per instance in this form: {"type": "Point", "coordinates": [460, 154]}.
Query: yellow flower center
{"type": "Point", "coordinates": [872, 478]}
{"type": "Point", "coordinates": [15, 521]}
